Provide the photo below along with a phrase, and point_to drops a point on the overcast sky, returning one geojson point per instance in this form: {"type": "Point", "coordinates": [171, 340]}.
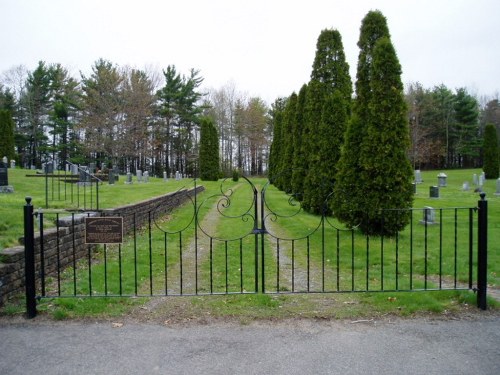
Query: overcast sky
{"type": "Point", "coordinates": [266, 47]}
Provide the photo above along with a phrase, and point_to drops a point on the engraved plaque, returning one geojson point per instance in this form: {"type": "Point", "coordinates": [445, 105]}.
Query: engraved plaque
{"type": "Point", "coordinates": [103, 230]}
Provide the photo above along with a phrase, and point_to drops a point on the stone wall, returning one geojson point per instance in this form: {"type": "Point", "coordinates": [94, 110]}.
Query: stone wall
{"type": "Point", "coordinates": [65, 244]}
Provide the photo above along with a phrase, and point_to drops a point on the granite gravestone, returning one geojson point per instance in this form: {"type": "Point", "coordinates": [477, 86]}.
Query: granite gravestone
{"type": "Point", "coordinates": [4, 178]}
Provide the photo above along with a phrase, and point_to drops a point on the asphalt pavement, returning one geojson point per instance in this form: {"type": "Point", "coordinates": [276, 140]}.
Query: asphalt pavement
{"type": "Point", "coordinates": [400, 346]}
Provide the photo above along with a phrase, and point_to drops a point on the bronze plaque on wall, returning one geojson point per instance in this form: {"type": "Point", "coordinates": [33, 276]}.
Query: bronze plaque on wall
{"type": "Point", "coordinates": [103, 230]}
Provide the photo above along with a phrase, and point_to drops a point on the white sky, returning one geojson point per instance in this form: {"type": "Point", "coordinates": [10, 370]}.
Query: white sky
{"type": "Point", "coordinates": [266, 47]}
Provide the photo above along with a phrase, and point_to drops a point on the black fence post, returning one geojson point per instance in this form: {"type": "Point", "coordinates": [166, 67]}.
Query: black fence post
{"type": "Point", "coordinates": [482, 252]}
{"type": "Point", "coordinates": [29, 259]}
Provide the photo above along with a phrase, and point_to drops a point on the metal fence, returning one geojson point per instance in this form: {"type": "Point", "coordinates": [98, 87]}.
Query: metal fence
{"type": "Point", "coordinates": [245, 240]}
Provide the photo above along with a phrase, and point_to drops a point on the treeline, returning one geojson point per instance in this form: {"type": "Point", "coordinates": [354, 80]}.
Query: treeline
{"type": "Point", "coordinates": [353, 155]}
{"type": "Point", "coordinates": [130, 118]}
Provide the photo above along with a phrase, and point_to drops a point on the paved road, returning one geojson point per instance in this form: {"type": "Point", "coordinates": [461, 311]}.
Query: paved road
{"type": "Point", "coordinates": [417, 346]}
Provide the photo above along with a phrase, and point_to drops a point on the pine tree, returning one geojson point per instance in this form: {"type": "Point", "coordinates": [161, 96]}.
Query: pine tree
{"type": "Point", "coordinates": [7, 138]}
{"type": "Point", "coordinates": [327, 107]}
{"type": "Point", "coordinates": [209, 151]}
{"type": "Point", "coordinates": [491, 163]}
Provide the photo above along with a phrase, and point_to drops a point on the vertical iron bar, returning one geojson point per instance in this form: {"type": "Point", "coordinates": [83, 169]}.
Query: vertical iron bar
{"type": "Point", "coordinates": [367, 263]}
{"type": "Point", "coordinates": [105, 270]}
{"type": "Point", "coordinates": [382, 255]}
{"type": "Point", "coordinates": [42, 252]}
{"type": "Point", "coordinates": [352, 261]}
{"type": "Point", "coordinates": [456, 252]}
{"type": "Point", "coordinates": [441, 248]}
{"type": "Point", "coordinates": [73, 248]}
{"type": "Point", "coordinates": [241, 265]}
{"type": "Point", "coordinates": [337, 261]}
{"type": "Point", "coordinates": [195, 237]}
{"type": "Point", "coordinates": [150, 255]}
{"type": "Point", "coordinates": [425, 247]}
{"type": "Point", "coordinates": [308, 264]}
{"type": "Point", "coordinates": [471, 239]}
{"type": "Point", "coordinates": [46, 187]}
{"type": "Point", "coordinates": [211, 266]}
{"type": "Point", "coordinates": [89, 260]}
{"type": "Point", "coordinates": [411, 251]}
{"type": "Point", "coordinates": [323, 253]}
{"type": "Point", "coordinates": [293, 265]}
{"type": "Point", "coordinates": [29, 259]}
{"type": "Point", "coordinates": [58, 251]}
{"type": "Point", "coordinates": [397, 258]}
{"type": "Point", "coordinates": [181, 264]}
{"type": "Point", "coordinates": [120, 267]}
{"type": "Point", "coordinates": [482, 252]}
{"type": "Point", "coordinates": [165, 261]}
{"type": "Point", "coordinates": [277, 265]}
{"type": "Point", "coordinates": [135, 253]}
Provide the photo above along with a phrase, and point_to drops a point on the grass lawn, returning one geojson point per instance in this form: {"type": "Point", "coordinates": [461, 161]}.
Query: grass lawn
{"type": "Point", "coordinates": [260, 306]}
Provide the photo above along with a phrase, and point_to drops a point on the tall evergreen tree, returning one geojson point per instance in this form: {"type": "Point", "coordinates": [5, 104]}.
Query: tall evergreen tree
{"type": "Point", "coordinates": [491, 163]}
{"type": "Point", "coordinates": [374, 172]}
{"type": "Point", "coordinates": [327, 108]}
{"type": "Point", "coordinates": [287, 140]}
{"type": "Point", "coordinates": [467, 142]}
{"type": "Point", "coordinates": [209, 151]}
{"type": "Point", "coordinates": [275, 153]}
{"type": "Point", "coordinates": [387, 173]}
{"type": "Point", "coordinates": [7, 131]}
{"type": "Point", "coordinates": [299, 160]}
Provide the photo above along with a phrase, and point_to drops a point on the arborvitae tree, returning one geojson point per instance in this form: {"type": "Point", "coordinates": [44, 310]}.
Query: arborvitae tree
{"type": "Point", "coordinates": [7, 132]}
{"type": "Point", "coordinates": [387, 173]}
{"type": "Point", "coordinates": [275, 152]}
{"type": "Point", "coordinates": [328, 96]}
{"type": "Point", "coordinates": [209, 151]}
{"type": "Point", "coordinates": [299, 161]}
{"type": "Point", "coordinates": [287, 141]}
{"type": "Point", "coordinates": [347, 201]}
{"type": "Point", "coordinates": [491, 162]}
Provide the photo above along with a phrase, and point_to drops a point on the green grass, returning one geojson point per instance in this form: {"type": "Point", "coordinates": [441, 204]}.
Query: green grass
{"type": "Point", "coordinates": [232, 266]}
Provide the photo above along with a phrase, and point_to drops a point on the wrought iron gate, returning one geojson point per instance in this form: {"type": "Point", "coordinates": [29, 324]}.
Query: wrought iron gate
{"type": "Point", "coordinates": [252, 238]}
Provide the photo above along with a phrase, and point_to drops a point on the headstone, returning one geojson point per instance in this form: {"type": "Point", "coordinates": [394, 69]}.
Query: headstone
{"type": "Point", "coordinates": [177, 176]}
{"type": "Point", "coordinates": [498, 187]}
{"type": "Point", "coordinates": [139, 175]}
{"type": "Point", "coordinates": [434, 191]}
{"type": "Point", "coordinates": [111, 177]}
{"type": "Point", "coordinates": [165, 177]}
{"type": "Point", "coordinates": [442, 179]}
{"type": "Point", "coordinates": [414, 184]}
{"type": "Point", "coordinates": [92, 168]}
{"type": "Point", "coordinates": [84, 176]}
{"type": "Point", "coordinates": [475, 181]}
{"type": "Point", "coordinates": [172, 175]}
{"type": "Point", "coordinates": [429, 216]}
{"type": "Point", "coordinates": [145, 177]}
{"type": "Point", "coordinates": [116, 172]}
{"type": "Point", "coordinates": [4, 179]}
{"type": "Point", "coordinates": [13, 164]}
{"type": "Point", "coordinates": [418, 177]}
{"type": "Point", "coordinates": [465, 186]}
{"type": "Point", "coordinates": [48, 168]}
{"type": "Point", "coordinates": [481, 180]}
{"type": "Point", "coordinates": [74, 169]}
{"type": "Point", "coordinates": [128, 179]}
